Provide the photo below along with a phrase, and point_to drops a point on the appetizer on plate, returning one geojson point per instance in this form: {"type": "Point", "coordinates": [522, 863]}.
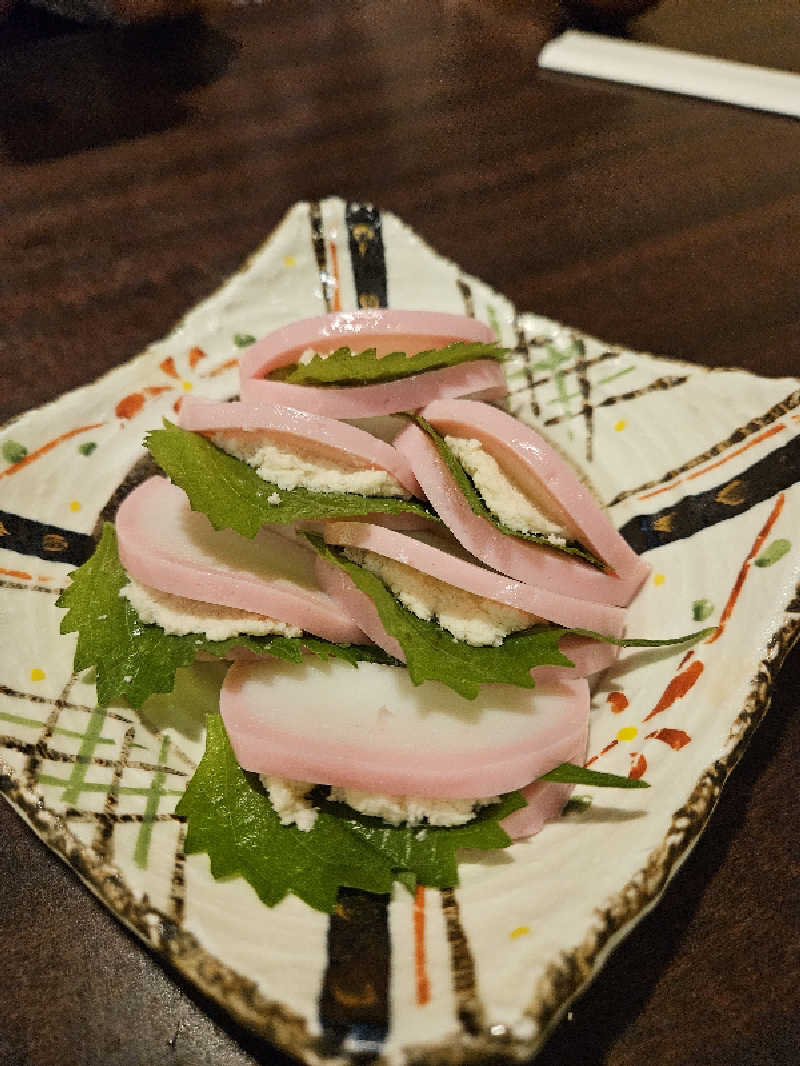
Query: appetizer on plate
{"type": "Point", "coordinates": [473, 627]}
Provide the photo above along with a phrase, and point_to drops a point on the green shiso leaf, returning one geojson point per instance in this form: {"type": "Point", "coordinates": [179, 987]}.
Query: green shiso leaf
{"type": "Point", "coordinates": [345, 367]}
{"type": "Point", "coordinates": [643, 642]}
{"type": "Point", "coordinates": [230, 818]}
{"type": "Point", "coordinates": [570, 774]}
{"type": "Point", "coordinates": [233, 496]}
{"type": "Point", "coordinates": [133, 659]}
{"type": "Point", "coordinates": [428, 854]}
{"type": "Point", "coordinates": [432, 654]}
{"type": "Point", "coordinates": [478, 506]}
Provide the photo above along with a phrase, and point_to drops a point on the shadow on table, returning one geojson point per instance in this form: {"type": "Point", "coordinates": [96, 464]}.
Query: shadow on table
{"type": "Point", "coordinates": [66, 87]}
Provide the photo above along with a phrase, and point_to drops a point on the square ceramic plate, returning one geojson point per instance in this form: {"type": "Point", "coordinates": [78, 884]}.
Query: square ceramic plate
{"type": "Point", "coordinates": [699, 470]}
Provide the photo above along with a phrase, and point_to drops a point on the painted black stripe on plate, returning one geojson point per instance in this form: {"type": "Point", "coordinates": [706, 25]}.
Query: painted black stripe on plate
{"type": "Point", "coordinates": [354, 1001]}
{"type": "Point", "coordinates": [32, 538]}
{"type": "Point", "coordinates": [320, 253]}
{"type": "Point", "coordinates": [29, 537]}
{"type": "Point", "coordinates": [770, 475]}
{"type": "Point", "coordinates": [144, 468]}
{"type": "Point", "coordinates": [353, 1009]}
{"type": "Point", "coordinates": [365, 240]}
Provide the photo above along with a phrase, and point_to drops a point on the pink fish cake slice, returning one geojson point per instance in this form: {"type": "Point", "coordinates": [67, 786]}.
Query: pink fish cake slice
{"type": "Point", "coordinates": [387, 331]}
{"type": "Point", "coordinates": [290, 428]}
{"type": "Point", "coordinates": [166, 545]}
{"type": "Point", "coordinates": [542, 476]}
{"type": "Point", "coordinates": [374, 731]}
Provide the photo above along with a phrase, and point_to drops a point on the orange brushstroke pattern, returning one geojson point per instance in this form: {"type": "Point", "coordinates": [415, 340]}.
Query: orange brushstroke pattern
{"type": "Point", "coordinates": [423, 985]}
{"type": "Point", "coordinates": [130, 406]}
{"type": "Point", "coordinates": [677, 688]}
{"type": "Point", "coordinates": [168, 366]}
{"type": "Point", "coordinates": [618, 701]}
{"type": "Point", "coordinates": [719, 462]}
{"type": "Point", "coordinates": [195, 355]}
{"type": "Point", "coordinates": [738, 451]}
{"type": "Point", "coordinates": [33, 456]}
{"type": "Point", "coordinates": [676, 738]}
{"type": "Point", "coordinates": [661, 488]}
{"type": "Point", "coordinates": [221, 368]}
{"type": "Point", "coordinates": [639, 767]}
{"type": "Point", "coordinates": [337, 298]}
{"type": "Point", "coordinates": [688, 675]}
{"type": "Point", "coordinates": [21, 575]}
{"type": "Point", "coordinates": [606, 749]}
{"type": "Point", "coordinates": [758, 544]}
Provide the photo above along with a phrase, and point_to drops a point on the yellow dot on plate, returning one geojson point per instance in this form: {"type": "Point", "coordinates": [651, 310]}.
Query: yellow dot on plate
{"type": "Point", "coordinates": [628, 732]}
{"type": "Point", "coordinates": [74, 505]}
{"type": "Point", "coordinates": [658, 579]}
{"type": "Point", "coordinates": [521, 930]}
{"type": "Point", "coordinates": [289, 261]}
{"type": "Point", "coordinates": [620, 425]}
{"type": "Point", "coordinates": [37, 674]}
{"type": "Point", "coordinates": [187, 386]}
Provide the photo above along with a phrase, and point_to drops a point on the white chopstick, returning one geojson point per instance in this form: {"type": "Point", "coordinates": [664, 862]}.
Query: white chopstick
{"type": "Point", "coordinates": [673, 71]}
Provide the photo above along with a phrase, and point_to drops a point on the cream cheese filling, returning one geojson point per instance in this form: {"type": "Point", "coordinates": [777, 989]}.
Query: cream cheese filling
{"type": "Point", "coordinates": [502, 495]}
{"type": "Point", "coordinates": [304, 467]}
{"type": "Point", "coordinates": [179, 615]}
{"type": "Point", "coordinates": [473, 619]}
{"type": "Point", "coordinates": [293, 806]}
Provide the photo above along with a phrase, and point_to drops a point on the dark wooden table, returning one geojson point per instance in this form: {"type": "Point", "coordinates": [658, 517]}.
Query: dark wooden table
{"type": "Point", "coordinates": [140, 166]}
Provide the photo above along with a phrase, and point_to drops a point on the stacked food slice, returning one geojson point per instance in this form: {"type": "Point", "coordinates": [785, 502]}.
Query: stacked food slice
{"type": "Point", "coordinates": [450, 554]}
{"type": "Point", "coordinates": [366, 363]}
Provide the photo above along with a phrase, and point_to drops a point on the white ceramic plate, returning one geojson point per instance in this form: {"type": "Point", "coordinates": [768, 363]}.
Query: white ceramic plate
{"type": "Point", "coordinates": [698, 467]}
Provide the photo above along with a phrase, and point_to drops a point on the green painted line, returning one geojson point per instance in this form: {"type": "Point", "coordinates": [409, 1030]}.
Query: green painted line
{"type": "Point", "coordinates": [554, 364]}
{"type": "Point", "coordinates": [17, 719]}
{"type": "Point", "coordinates": [72, 733]}
{"type": "Point", "coordinates": [88, 744]}
{"type": "Point", "coordinates": [96, 786]}
{"type": "Point", "coordinates": [613, 377]}
{"type": "Point", "coordinates": [34, 723]}
{"type": "Point", "coordinates": [601, 381]}
{"type": "Point", "coordinates": [141, 853]}
{"type": "Point", "coordinates": [494, 322]}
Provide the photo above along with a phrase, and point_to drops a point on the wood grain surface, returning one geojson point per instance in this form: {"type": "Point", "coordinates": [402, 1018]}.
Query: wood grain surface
{"type": "Point", "coordinates": [139, 166]}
